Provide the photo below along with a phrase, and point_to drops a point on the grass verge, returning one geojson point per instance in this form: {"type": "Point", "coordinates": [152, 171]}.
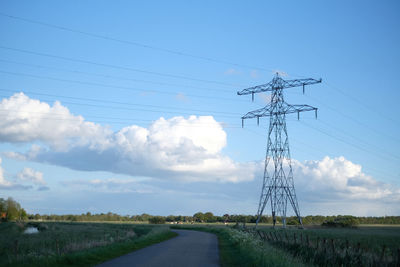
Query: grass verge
{"type": "Point", "coordinates": [95, 255]}
{"type": "Point", "coordinates": [237, 248]}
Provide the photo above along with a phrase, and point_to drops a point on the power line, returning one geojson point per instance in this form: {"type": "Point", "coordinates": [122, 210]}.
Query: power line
{"type": "Point", "coordinates": [138, 44]}
{"type": "Point", "coordinates": [318, 149]}
{"type": "Point", "coordinates": [112, 86]}
{"type": "Point", "coordinates": [116, 66]}
{"type": "Point", "coordinates": [145, 110]}
{"type": "Point", "coordinates": [357, 138]}
{"type": "Point", "coordinates": [355, 120]}
{"type": "Point", "coordinates": [108, 76]}
{"type": "Point", "coordinates": [117, 102]}
{"type": "Point", "coordinates": [61, 117]}
{"type": "Point", "coordinates": [367, 107]}
{"type": "Point", "coordinates": [344, 141]}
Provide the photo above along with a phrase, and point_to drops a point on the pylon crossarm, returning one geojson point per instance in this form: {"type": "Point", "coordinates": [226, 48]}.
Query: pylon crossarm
{"type": "Point", "coordinates": [298, 108]}
{"type": "Point", "coordinates": [256, 89]}
{"type": "Point", "coordinates": [299, 82]}
{"type": "Point", "coordinates": [278, 83]}
{"type": "Point", "coordinates": [262, 112]}
{"type": "Point", "coordinates": [269, 111]}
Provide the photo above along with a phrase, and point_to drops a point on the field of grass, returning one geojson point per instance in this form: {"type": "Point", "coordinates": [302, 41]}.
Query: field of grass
{"type": "Point", "coordinates": [359, 246]}
{"type": "Point", "coordinates": [371, 237]}
{"type": "Point", "coordinates": [239, 248]}
{"type": "Point", "coordinates": [312, 246]}
{"type": "Point", "coordinates": [77, 244]}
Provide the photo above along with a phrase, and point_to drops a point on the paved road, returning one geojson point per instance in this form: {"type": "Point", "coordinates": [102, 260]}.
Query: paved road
{"type": "Point", "coordinates": [189, 248]}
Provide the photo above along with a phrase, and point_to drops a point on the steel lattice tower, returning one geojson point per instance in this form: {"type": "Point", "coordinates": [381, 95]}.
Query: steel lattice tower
{"type": "Point", "coordinates": [278, 185]}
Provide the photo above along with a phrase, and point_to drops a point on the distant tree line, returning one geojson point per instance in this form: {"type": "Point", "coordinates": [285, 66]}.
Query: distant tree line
{"type": "Point", "coordinates": [10, 210]}
{"type": "Point", "coordinates": [209, 217]}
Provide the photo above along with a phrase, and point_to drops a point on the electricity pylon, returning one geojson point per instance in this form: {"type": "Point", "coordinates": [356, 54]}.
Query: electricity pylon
{"type": "Point", "coordinates": [278, 185]}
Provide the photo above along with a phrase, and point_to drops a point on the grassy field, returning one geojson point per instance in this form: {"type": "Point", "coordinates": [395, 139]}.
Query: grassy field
{"type": "Point", "coordinates": [312, 246]}
{"type": "Point", "coordinates": [77, 244]}
{"type": "Point", "coordinates": [359, 246]}
{"type": "Point", "coordinates": [239, 248]}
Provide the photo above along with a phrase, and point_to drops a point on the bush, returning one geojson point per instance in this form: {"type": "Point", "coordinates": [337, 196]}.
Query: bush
{"type": "Point", "coordinates": [292, 221]}
{"type": "Point", "coordinates": [157, 220]}
{"type": "Point", "coordinates": [342, 221]}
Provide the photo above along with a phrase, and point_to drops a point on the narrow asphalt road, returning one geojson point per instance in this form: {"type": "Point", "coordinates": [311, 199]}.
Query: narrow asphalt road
{"type": "Point", "coordinates": [189, 248]}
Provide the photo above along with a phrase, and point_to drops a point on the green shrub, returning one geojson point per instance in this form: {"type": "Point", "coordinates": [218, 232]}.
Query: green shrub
{"type": "Point", "coordinates": [342, 221]}
{"type": "Point", "coordinates": [157, 220]}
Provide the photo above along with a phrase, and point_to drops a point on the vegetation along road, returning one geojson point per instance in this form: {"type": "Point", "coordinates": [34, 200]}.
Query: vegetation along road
{"type": "Point", "coordinates": [189, 248]}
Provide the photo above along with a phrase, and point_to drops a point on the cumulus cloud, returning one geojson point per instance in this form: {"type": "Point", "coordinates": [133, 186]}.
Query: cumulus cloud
{"type": "Point", "coordinates": [3, 181]}
{"type": "Point", "coordinates": [30, 175]}
{"type": "Point", "coordinates": [336, 185]}
{"type": "Point", "coordinates": [232, 72]}
{"type": "Point", "coordinates": [265, 98]}
{"type": "Point", "coordinates": [186, 149]}
{"type": "Point", "coordinates": [281, 73]}
{"type": "Point", "coordinates": [333, 179]}
{"type": "Point", "coordinates": [254, 74]}
{"type": "Point", "coordinates": [112, 185]}
{"type": "Point", "coordinates": [43, 188]}
{"type": "Point", "coordinates": [182, 97]}
{"type": "Point", "coordinates": [6, 184]}
{"type": "Point", "coordinates": [27, 120]}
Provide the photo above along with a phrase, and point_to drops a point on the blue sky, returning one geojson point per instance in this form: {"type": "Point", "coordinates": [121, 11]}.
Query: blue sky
{"type": "Point", "coordinates": [131, 107]}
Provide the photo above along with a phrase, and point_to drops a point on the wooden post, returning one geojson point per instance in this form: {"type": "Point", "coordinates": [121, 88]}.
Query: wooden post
{"type": "Point", "coordinates": [294, 237]}
{"type": "Point", "coordinates": [287, 238]}
{"type": "Point", "coordinates": [317, 244]}
{"type": "Point", "coordinates": [259, 233]}
{"type": "Point", "coordinates": [301, 238]}
{"type": "Point", "coordinates": [276, 237]}
{"type": "Point", "coordinates": [398, 257]}
{"type": "Point", "coordinates": [16, 249]}
{"type": "Point", "coordinates": [265, 236]}
{"type": "Point", "coordinates": [57, 247]}
{"type": "Point", "coordinates": [272, 237]}
{"type": "Point", "coordinates": [333, 246]}
{"type": "Point", "coordinates": [308, 241]}
{"type": "Point", "coordinates": [383, 252]}
{"type": "Point", "coordinates": [324, 242]}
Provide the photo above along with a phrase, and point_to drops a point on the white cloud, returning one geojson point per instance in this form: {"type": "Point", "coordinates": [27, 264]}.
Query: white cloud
{"type": "Point", "coordinates": [26, 120]}
{"type": "Point", "coordinates": [3, 181]}
{"type": "Point", "coordinates": [232, 72]}
{"type": "Point", "coordinates": [186, 149]}
{"type": "Point", "coordinates": [254, 74]}
{"type": "Point", "coordinates": [281, 73]}
{"type": "Point", "coordinates": [333, 179]}
{"type": "Point", "coordinates": [182, 97]}
{"type": "Point", "coordinates": [112, 185]}
{"type": "Point", "coordinates": [6, 184]}
{"type": "Point", "coordinates": [265, 98]}
{"type": "Point", "coordinates": [30, 175]}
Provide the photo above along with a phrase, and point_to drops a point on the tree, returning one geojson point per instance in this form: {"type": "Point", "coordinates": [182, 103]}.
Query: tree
{"type": "Point", "coordinates": [226, 217]}
{"type": "Point", "coordinates": [157, 220]}
{"type": "Point", "coordinates": [13, 209]}
{"type": "Point", "coordinates": [3, 205]}
{"type": "Point", "coordinates": [23, 215]}
{"type": "Point", "coordinates": [198, 217]}
{"type": "Point", "coordinates": [209, 217]}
